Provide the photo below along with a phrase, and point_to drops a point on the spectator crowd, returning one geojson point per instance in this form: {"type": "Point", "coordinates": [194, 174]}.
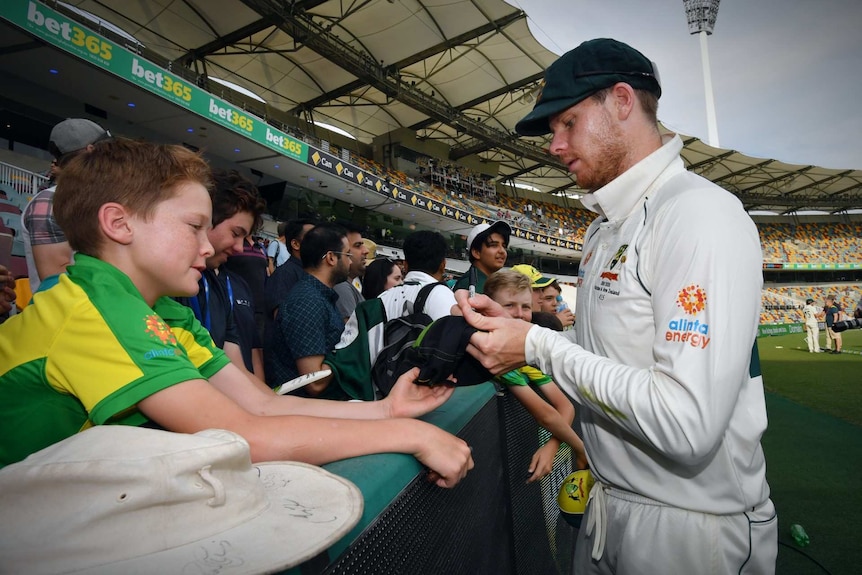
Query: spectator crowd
{"type": "Point", "coordinates": [228, 321]}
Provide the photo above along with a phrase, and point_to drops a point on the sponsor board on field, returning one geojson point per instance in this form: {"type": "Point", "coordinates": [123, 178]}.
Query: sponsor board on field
{"type": "Point", "coordinates": [780, 329]}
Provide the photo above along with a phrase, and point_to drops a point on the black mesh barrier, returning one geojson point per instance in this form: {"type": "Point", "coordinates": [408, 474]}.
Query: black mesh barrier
{"type": "Point", "coordinates": [428, 530]}
{"type": "Point", "coordinates": [493, 522]}
{"type": "Point", "coordinates": [535, 514]}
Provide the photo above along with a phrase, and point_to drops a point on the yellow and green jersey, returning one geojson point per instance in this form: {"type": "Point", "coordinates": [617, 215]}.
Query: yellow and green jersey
{"type": "Point", "coordinates": [86, 352]}
{"type": "Point", "coordinates": [523, 376]}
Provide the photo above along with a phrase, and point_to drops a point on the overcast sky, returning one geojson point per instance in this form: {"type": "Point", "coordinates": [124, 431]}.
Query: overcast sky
{"type": "Point", "coordinates": [786, 74]}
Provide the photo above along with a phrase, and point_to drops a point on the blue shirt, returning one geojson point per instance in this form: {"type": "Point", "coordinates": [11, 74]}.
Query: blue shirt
{"type": "Point", "coordinates": [308, 323]}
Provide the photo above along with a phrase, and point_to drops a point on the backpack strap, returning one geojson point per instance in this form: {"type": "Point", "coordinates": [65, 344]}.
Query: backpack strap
{"type": "Point", "coordinates": [422, 296]}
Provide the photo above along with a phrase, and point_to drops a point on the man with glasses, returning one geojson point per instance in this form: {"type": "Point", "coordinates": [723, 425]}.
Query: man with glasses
{"type": "Point", "coordinates": [308, 323]}
{"type": "Point", "coordinates": [350, 291]}
{"type": "Point", "coordinates": [45, 246]}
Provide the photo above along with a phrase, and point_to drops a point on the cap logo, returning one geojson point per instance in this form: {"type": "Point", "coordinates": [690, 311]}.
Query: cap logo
{"type": "Point", "coordinates": [541, 91]}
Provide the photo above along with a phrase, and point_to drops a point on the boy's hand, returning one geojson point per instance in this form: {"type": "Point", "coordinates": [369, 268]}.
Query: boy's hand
{"type": "Point", "coordinates": [542, 462]}
{"type": "Point", "coordinates": [407, 399]}
{"type": "Point", "coordinates": [448, 458]}
{"type": "Point", "coordinates": [566, 317]}
{"type": "Point", "coordinates": [580, 459]}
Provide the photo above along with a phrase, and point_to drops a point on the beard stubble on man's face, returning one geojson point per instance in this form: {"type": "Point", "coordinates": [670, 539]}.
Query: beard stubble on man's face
{"type": "Point", "coordinates": [607, 153]}
{"type": "Point", "coordinates": [341, 271]}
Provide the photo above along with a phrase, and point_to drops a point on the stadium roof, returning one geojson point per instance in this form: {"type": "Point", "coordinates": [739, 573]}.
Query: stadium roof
{"type": "Point", "coordinates": [460, 72]}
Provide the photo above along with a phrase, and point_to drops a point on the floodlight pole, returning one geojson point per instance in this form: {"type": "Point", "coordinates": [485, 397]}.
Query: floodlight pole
{"type": "Point", "coordinates": [701, 16]}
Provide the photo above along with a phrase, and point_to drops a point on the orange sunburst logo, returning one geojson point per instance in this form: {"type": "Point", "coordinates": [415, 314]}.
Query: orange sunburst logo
{"type": "Point", "coordinates": [158, 328]}
{"type": "Point", "coordinates": [691, 299]}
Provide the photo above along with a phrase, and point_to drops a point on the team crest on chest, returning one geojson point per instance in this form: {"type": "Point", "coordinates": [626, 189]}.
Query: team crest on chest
{"type": "Point", "coordinates": [619, 257]}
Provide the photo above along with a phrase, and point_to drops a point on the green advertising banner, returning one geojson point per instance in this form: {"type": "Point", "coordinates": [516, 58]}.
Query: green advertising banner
{"type": "Point", "coordinates": [827, 266]}
{"type": "Point", "coordinates": [78, 40]}
{"type": "Point", "coordinates": [66, 34]}
{"type": "Point", "coordinates": [817, 266]}
{"type": "Point", "coordinates": [780, 329]}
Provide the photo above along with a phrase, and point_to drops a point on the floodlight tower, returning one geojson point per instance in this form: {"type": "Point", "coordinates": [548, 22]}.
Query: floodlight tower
{"type": "Point", "coordinates": [701, 16]}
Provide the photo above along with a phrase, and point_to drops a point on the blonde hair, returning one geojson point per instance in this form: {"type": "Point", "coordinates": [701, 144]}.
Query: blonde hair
{"type": "Point", "coordinates": [507, 280]}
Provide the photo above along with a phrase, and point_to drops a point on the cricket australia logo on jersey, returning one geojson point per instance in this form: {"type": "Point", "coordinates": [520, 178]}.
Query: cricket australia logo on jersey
{"type": "Point", "coordinates": [611, 274]}
{"type": "Point", "coordinates": [691, 300]}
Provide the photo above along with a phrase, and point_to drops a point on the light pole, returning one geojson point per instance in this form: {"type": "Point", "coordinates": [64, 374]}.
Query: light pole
{"type": "Point", "coordinates": [701, 16]}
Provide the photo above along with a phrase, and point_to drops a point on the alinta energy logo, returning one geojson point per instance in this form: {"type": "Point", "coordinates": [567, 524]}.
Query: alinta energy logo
{"type": "Point", "coordinates": [158, 329]}
{"type": "Point", "coordinates": [692, 300]}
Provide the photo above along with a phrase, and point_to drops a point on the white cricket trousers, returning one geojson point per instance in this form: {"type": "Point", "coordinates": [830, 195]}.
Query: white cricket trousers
{"type": "Point", "coordinates": [813, 337]}
{"type": "Point", "coordinates": [645, 537]}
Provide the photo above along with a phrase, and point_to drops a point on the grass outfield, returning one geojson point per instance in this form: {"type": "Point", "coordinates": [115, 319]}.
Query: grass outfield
{"type": "Point", "coordinates": [828, 383]}
{"type": "Point", "coordinates": [813, 446]}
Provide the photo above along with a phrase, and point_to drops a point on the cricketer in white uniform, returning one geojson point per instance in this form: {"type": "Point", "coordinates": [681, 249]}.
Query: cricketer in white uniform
{"type": "Point", "coordinates": [812, 326]}
{"type": "Point", "coordinates": [667, 312]}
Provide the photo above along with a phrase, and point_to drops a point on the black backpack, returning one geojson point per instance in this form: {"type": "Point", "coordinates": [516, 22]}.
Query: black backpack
{"type": "Point", "coordinates": [399, 334]}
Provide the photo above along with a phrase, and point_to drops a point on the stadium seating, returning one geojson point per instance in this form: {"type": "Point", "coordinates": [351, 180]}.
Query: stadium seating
{"type": "Point", "coordinates": [811, 243]}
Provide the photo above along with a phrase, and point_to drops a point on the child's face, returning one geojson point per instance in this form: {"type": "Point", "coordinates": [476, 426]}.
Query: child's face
{"type": "Point", "coordinates": [227, 238]}
{"type": "Point", "coordinates": [549, 300]}
{"type": "Point", "coordinates": [170, 248]}
{"type": "Point", "coordinates": [518, 304]}
{"type": "Point", "coordinates": [491, 255]}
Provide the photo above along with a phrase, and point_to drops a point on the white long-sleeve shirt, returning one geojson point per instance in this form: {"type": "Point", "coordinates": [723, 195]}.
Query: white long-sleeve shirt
{"type": "Point", "coordinates": [667, 320]}
{"type": "Point", "coordinates": [810, 313]}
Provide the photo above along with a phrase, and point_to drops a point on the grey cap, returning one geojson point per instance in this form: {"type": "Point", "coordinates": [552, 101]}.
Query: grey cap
{"type": "Point", "coordinates": [73, 134]}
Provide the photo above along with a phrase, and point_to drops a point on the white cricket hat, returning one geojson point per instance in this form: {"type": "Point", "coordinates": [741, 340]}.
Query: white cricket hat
{"type": "Point", "coordinates": [122, 499]}
{"type": "Point", "coordinates": [482, 231]}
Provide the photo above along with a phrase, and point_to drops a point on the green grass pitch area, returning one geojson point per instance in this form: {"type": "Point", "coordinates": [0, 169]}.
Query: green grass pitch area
{"type": "Point", "coordinates": [813, 450]}
{"type": "Point", "coordinates": [828, 383]}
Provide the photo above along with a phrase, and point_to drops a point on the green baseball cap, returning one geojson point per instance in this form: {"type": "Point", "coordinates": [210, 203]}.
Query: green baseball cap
{"type": "Point", "coordinates": [537, 280]}
{"type": "Point", "coordinates": [583, 71]}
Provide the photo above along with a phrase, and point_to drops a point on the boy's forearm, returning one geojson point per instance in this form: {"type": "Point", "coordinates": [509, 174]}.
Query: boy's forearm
{"type": "Point", "coordinates": [564, 432]}
{"type": "Point", "coordinates": [318, 440]}
{"type": "Point", "coordinates": [192, 406]}
{"type": "Point", "coordinates": [292, 405]}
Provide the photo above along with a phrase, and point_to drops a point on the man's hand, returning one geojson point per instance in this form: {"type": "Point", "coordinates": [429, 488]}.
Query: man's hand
{"type": "Point", "coordinates": [499, 343]}
{"type": "Point", "coordinates": [448, 458]}
{"type": "Point", "coordinates": [406, 399]}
